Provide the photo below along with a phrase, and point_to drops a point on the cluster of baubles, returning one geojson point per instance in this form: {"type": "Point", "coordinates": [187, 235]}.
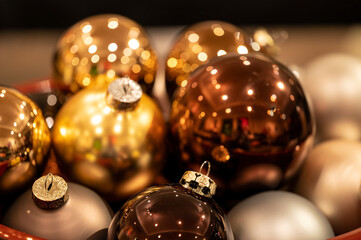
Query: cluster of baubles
{"type": "Point", "coordinates": [234, 108]}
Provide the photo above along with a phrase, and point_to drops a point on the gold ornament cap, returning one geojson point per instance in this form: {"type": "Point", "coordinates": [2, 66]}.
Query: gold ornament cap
{"type": "Point", "coordinates": [198, 182]}
{"type": "Point", "coordinates": [124, 93]}
{"type": "Point", "coordinates": [50, 192]}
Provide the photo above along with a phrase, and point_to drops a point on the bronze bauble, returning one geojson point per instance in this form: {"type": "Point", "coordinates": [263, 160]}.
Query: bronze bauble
{"type": "Point", "coordinates": [84, 216]}
{"type": "Point", "coordinates": [331, 179]}
{"type": "Point", "coordinates": [333, 82]}
{"type": "Point", "coordinates": [116, 152]}
{"type": "Point", "coordinates": [173, 211]}
{"type": "Point", "coordinates": [247, 115]}
{"type": "Point", "coordinates": [278, 215]}
{"type": "Point", "coordinates": [100, 48]}
{"type": "Point", "coordinates": [198, 44]}
{"type": "Point", "coordinates": [24, 142]}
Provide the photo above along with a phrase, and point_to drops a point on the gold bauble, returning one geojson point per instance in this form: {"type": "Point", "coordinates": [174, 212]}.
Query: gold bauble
{"type": "Point", "coordinates": [111, 45]}
{"type": "Point", "coordinates": [198, 44]}
{"type": "Point", "coordinates": [24, 141]}
{"type": "Point", "coordinates": [331, 178]}
{"type": "Point", "coordinates": [114, 146]}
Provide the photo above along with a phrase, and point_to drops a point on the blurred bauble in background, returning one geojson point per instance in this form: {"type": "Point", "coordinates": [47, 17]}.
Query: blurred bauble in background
{"type": "Point", "coordinates": [100, 48]}
{"type": "Point", "coordinates": [333, 82]}
{"type": "Point", "coordinates": [265, 41]}
{"type": "Point", "coordinates": [331, 178]}
{"type": "Point", "coordinates": [24, 142]}
{"type": "Point", "coordinates": [111, 139]}
{"type": "Point", "coordinates": [174, 211]}
{"type": "Point", "coordinates": [278, 215]}
{"type": "Point", "coordinates": [45, 95]}
{"type": "Point", "coordinates": [53, 209]}
{"type": "Point", "coordinates": [247, 115]}
{"type": "Point", "coordinates": [198, 44]}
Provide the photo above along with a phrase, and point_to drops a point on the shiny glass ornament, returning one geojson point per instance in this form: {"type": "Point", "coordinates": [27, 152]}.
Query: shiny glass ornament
{"type": "Point", "coordinates": [248, 115]}
{"type": "Point", "coordinates": [54, 209]}
{"type": "Point", "coordinates": [175, 211]}
{"type": "Point", "coordinates": [198, 44]}
{"type": "Point", "coordinates": [111, 139]}
{"type": "Point", "coordinates": [333, 82]}
{"type": "Point", "coordinates": [100, 48]}
{"type": "Point", "coordinates": [278, 215]}
{"type": "Point", "coordinates": [24, 142]}
{"type": "Point", "coordinates": [331, 179]}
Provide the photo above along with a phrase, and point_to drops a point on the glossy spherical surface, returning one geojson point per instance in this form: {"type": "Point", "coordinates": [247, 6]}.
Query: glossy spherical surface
{"type": "Point", "coordinates": [331, 179]}
{"type": "Point", "coordinates": [115, 152]}
{"type": "Point", "coordinates": [24, 141]}
{"type": "Point", "coordinates": [100, 48]}
{"type": "Point", "coordinates": [248, 116]}
{"type": "Point", "coordinates": [84, 216]}
{"type": "Point", "coordinates": [169, 212]}
{"type": "Point", "coordinates": [278, 215]}
{"type": "Point", "coordinates": [333, 82]}
{"type": "Point", "coordinates": [198, 44]}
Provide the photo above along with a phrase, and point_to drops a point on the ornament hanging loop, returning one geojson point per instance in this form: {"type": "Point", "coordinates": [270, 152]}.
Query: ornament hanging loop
{"type": "Point", "coordinates": [208, 169]}
{"type": "Point", "coordinates": [51, 177]}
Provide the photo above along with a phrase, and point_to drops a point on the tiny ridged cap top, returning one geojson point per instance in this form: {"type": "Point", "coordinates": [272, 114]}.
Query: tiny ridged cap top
{"type": "Point", "coordinates": [50, 192]}
{"type": "Point", "coordinates": [124, 93]}
{"type": "Point", "coordinates": [198, 182]}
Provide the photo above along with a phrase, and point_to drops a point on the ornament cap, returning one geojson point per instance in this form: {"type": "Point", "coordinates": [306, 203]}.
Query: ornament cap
{"type": "Point", "coordinates": [50, 192]}
{"type": "Point", "coordinates": [124, 93]}
{"type": "Point", "coordinates": [198, 182]}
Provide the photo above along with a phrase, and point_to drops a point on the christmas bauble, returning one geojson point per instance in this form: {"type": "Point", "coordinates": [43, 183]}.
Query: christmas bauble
{"type": "Point", "coordinates": [198, 44]}
{"type": "Point", "coordinates": [178, 211]}
{"type": "Point", "coordinates": [54, 209]}
{"type": "Point", "coordinates": [100, 48]}
{"type": "Point", "coordinates": [111, 140]}
{"type": "Point", "coordinates": [278, 215]}
{"type": "Point", "coordinates": [264, 41]}
{"type": "Point", "coordinates": [333, 82]}
{"type": "Point", "coordinates": [24, 142]}
{"type": "Point", "coordinates": [331, 179]}
{"type": "Point", "coordinates": [248, 115]}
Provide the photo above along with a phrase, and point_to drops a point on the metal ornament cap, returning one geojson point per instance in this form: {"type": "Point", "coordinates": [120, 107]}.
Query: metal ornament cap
{"type": "Point", "coordinates": [198, 182]}
{"type": "Point", "coordinates": [124, 93]}
{"type": "Point", "coordinates": [50, 192]}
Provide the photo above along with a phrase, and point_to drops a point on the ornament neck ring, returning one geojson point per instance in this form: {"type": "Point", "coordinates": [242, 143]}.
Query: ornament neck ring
{"type": "Point", "coordinates": [198, 182]}
{"type": "Point", "coordinates": [124, 94]}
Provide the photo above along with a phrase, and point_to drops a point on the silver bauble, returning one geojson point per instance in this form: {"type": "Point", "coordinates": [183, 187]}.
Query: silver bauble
{"type": "Point", "coordinates": [333, 83]}
{"type": "Point", "coordinates": [278, 215]}
{"type": "Point", "coordinates": [84, 216]}
{"type": "Point", "coordinates": [331, 178]}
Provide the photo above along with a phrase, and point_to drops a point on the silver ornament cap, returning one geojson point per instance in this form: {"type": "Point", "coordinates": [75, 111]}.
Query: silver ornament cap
{"type": "Point", "coordinates": [198, 182]}
{"type": "Point", "coordinates": [50, 192]}
{"type": "Point", "coordinates": [124, 93]}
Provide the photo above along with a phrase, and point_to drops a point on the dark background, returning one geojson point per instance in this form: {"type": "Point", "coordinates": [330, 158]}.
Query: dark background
{"type": "Point", "coordinates": [24, 14]}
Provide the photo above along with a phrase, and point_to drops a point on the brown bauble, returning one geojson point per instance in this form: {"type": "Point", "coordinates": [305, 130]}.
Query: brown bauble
{"type": "Point", "coordinates": [331, 178]}
{"type": "Point", "coordinates": [111, 139]}
{"type": "Point", "coordinates": [24, 142]}
{"type": "Point", "coordinates": [173, 211]}
{"type": "Point", "coordinates": [247, 115]}
{"type": "Point", "coordinates": [198, 44]}
{"type": "Point", "coordinates": [100, 48]}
